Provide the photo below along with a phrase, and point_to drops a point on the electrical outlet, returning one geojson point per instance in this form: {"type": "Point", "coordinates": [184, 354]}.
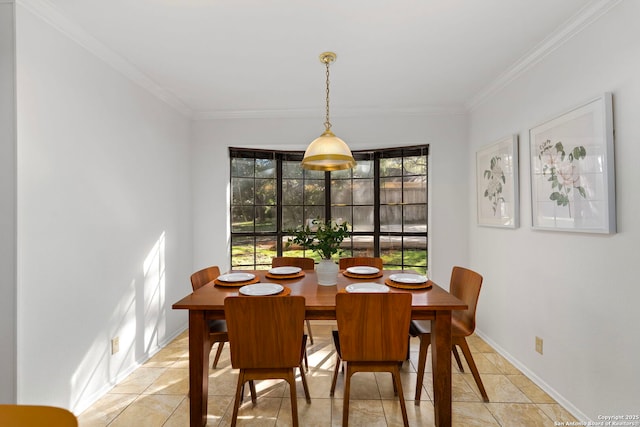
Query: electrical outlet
{"type": "Point", "coordinates": [539, 345]}
{"type": "Point", "coordinates": [115, 345]}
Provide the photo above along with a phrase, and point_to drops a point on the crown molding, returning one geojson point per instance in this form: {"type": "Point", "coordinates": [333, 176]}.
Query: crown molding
{"type": "Point", "coordinates": [319, 113]}
{"type": "Point", "coordinates": [46, 11]}
{"type": "Point", "coordinates": [573, 26]}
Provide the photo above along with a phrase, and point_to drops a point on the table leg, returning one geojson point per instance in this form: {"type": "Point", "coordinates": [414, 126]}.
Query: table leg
{"type": "Point", "coordinates": [441, 366]}
{"type": "Point", "coordinates": [199, 347]}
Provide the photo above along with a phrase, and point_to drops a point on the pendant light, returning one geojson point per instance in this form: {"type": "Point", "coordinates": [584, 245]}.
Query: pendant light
{"type": "Point", "coordinates": [328, 152]}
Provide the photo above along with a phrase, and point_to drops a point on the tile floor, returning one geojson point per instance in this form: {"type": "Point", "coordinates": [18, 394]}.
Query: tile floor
{"type": "Point", "coordinates": [156, 394]}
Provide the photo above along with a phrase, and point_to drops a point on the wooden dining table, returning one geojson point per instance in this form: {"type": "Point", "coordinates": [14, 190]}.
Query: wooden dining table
{"type": "Point", "coordinates": [433, 303]}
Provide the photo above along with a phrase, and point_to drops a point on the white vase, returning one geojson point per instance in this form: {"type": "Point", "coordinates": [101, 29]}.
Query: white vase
{"type": "Point", "coordinates": [327, 272]}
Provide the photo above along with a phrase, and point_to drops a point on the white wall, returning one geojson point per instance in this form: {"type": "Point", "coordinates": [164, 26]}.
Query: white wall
{"type": "Point", "coordinates": [446, 135]}
{"type": "Point", "coordinates": [7, 203]}
{"type": "Point", "coordinates": [104, 220]}
{"type": "Point", "coordinates": [576, 291]}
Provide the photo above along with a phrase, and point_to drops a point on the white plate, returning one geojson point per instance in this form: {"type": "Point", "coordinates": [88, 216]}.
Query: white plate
{"type": "Point", "coordinates": [285, 270]}
{"type": "Point", "coordinates": [367, 287]}
{"type": "Point", "coordinates": [408, 278]}
{"type": "Point", "coordinates": [363, 270]}
{"type": "Point", "coordinates": [236, 277]}
{"type": "Point", "coordinates": [261, 289]}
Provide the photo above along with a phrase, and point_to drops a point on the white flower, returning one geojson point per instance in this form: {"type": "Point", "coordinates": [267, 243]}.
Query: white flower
{"type": "Point", "coordinates": [494, 186]}
{"type": "Point", "coordinates": [568, 175]}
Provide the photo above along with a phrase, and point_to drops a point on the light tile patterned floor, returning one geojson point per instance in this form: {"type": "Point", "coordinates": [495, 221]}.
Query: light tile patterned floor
{"type": "Point", "coordinates": [156, 394]}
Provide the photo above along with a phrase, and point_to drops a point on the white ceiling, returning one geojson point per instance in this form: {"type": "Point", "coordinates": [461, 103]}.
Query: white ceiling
{"type": "Point", "coordinates": [217, 58]}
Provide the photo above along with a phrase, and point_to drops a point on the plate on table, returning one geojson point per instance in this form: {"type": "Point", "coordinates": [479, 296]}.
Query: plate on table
{"type": "Point", "coordinates": [285, 270]}
{"type": "Point", "coordinates": [236, 277]}
{"type": "Point", "coordinates": [259, 289]}
{"type": "Point", "coordinates": [408, 278]}
{"type": "Point", "coordinates": [367, 287]}
{"type": "Point", "coordinates": [363, 270]}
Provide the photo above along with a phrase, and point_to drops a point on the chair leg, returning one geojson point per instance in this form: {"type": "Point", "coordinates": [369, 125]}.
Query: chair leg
{"type": "Point", "coordinates": [304, 384]}
{"type": "Point", "coordinates": [294, 400]}
{"type": "Point", "coordinates": [236, 403]}
{"type": "Point", "coordinates": [345, 405]}
{"type": "Point", "coordinates": [397, 383]}
{"type": "Point", "coordinates": [425, 340]}
{"type": "Point", "coordinates": [335, 375]}
{"type": "Point", "coordinates": [309, 331]}
{"type": "Point", "coordinates": [472, 365]}
{"type": "Point", "coordinates": [218, 353]}
{"type": "Point", "coordinates": [252, 390]}
{"type": "Point", "coordinates": [457, 356]}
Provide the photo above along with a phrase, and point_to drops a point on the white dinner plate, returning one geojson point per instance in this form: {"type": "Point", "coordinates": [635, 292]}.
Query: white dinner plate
{"type": "Point", "coordinates": [285, 270]}
{"type": "Point", "coordinates": [236, 277]}
{"type": "Point", "coordinates": [408, 278]}
{"type": "Point", "coordinates": [258, 289]}
{"type": "Point", "coordinates": [363, 270]}
{"type": "Point", "coordinates": [367, 287]}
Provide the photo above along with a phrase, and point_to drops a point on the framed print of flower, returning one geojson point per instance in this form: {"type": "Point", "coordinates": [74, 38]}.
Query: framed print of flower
{"type": "Point", "coordinates": [497, 183]}
{"type": "Point", "coordinates": [572, 175]}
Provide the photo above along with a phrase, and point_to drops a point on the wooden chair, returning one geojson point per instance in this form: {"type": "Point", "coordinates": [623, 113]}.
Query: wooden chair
{"type": "Point", "coordinates": [36, 415]}
{"type": "Point", "coordinates": [303, 263]}
{"type": "Point", "coordinates": [217, 328]}
{"type": "Point", "coordinates": [372, 330]}
{"type": "Point", "coordinates": [357, 261]}
{"type": "Point", "coordinates": [265, 335]}
{"type": "Point", "coordinates": [465, 284]}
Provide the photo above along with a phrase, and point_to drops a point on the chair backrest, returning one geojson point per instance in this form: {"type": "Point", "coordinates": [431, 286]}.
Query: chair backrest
{"type": "Point", "coordinates": [292, 261]}
{"type": "Point", "coordinates": [34, 415]}
{"type": "Point", "coordinates": [373, 326]}
{"type": "Point", "coordinates": [204, 276]}
{"type": "Point", "coordinates": [356, 261]}
{"type": "Point", "coordinates": [465, 285]}
{"type": "Point", "coordinates": [265, 331]}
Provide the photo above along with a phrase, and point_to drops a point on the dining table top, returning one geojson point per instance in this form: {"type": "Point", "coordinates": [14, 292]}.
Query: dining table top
{"type": "Point", "coordinates": [320, 300]}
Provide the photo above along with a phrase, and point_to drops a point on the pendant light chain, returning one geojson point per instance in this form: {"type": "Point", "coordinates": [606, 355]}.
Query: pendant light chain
{"type": "Point", "coordinates": [327, 123]}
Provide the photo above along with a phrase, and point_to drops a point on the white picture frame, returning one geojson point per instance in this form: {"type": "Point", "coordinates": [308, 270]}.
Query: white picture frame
{"type": "Point", "coordinates": [498, 203]}
{"type": "Point", "coordinates": [572, 170]}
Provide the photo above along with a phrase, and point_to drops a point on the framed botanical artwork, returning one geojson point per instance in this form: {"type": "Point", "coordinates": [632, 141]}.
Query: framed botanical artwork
{"type": "Point", "coordinates": [572, 170]}
{"type": "Point", "coordinates": [497, 183]}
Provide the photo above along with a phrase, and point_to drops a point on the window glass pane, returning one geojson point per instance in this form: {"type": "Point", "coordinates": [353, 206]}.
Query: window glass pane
{"type": "Point", "coordinates": [292, 218]}
{"type": "Point", "coordinates": [415, 218]}
{"type": "Point", "coordinates": [415, 189]}
{"type": "Point", "coordinates": [363, 192]}
{"type": "Point", "coordinates": [242, 167]}
{"type": "Point", "coordinates": [242, 219]}
{"type": "Point", "coordinates": [341, 174]}
{"type": "Point", "coordinates": [391, 167]}
{"type": "Point", "coordinates": [314, 192]}
{"type": "Point", "coordinates": [415, 165]}
{"type": "Point", "coordinates": [341, 192]}
{"type": "Point", "coordinates": [242, 251]}
{"type": "Point", "coordinates": [391, 218]}
{"type": "Point", "coordinates": [363, 246]}
{"type": "Point", "coordinates": [292, 192]}
{"type": "Point", "coordinates": [311, 174]}
{"type": "Point", "coordinates": [363, 218]}
{"type": "Point", "coordinates": [363, 169]}
{"type": "Point", "coordinates": [390, 190]}
{"type": "Point", "coordinates": [265, 251]}
{"type": "Point", "coordinates": [291, 170]}
{"type": "Point", "coordinates": [266, 218]}
{"type": "Point", "coordinates": [265, 168]}
{"type": "Point", "coordinates": [391, 250]}
{"type": "Point", "coordinates": [341, 214]}
{"type": "Point", "coordinates": [265, 191]}
{"type": "Point", "coordinates": [313, 212]}
{"type": "Point", "coordinates": [243, 191]}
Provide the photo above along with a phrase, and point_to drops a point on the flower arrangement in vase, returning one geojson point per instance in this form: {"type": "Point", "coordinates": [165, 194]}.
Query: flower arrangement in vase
{"type": "Point", "coordinates": [323, 237]}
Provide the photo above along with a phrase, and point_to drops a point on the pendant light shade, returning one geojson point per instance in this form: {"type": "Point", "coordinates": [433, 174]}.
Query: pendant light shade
{"type": "Point", "coordinates": [328, 152]}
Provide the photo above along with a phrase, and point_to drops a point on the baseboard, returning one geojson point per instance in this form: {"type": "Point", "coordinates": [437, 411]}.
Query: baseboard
{"type": "Point", "coordinates": [566, 404]}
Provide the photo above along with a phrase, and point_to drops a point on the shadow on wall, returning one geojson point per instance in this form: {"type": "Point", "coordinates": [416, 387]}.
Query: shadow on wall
{"type": "Point", "coordinates": [138, 322]}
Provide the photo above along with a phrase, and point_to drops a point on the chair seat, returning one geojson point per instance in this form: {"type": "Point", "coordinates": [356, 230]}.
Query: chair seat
{"type": "Point", "coordinates": [420, 327]}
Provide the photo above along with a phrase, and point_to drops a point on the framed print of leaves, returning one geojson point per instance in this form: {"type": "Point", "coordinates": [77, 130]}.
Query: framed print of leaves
{"type": "Point", "coordinates": [497, 183]}
{"type": "Point", "coordinates": [572, 170]}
